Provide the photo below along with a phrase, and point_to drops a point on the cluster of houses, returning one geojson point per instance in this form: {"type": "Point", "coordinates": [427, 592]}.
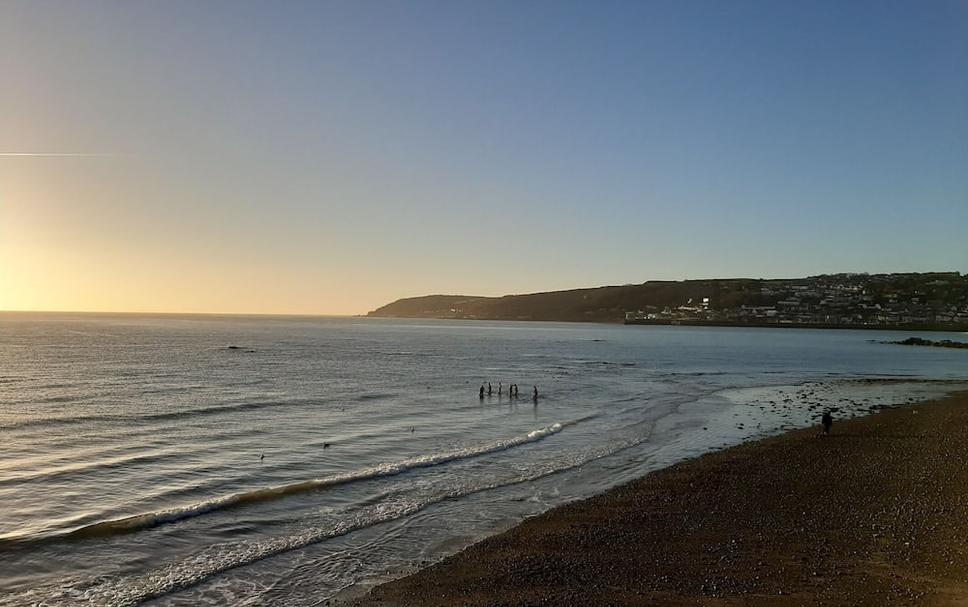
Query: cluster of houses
{"type": "Point", "coordinates": [843, 299]}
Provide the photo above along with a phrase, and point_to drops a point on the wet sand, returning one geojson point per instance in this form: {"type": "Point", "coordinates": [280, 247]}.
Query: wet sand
{"type": "Point", "coordinates": [874, 514]}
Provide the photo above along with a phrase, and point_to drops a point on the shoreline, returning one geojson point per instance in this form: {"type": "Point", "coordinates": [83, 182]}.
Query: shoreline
{"type": "Point", "coordinates": [916, 327]}
{"type": "Point", "coordinates": [871, 515]}
{"type": "Point", "coordinates": [900, 328]}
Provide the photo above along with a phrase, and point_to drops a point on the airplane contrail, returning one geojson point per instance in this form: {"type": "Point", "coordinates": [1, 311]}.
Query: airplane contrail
{"type": "Point", "coordinates": [53, 155]}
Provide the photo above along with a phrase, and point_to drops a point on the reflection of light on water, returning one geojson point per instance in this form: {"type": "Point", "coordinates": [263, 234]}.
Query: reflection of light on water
{"type": "Point", "coordinates": [200, 416]}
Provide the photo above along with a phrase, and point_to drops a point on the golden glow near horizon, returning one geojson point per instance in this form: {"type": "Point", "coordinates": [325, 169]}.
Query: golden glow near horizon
{"type": "Point", "coordinates": [321, 158]}
{"type": "Point", "coordinates": [67, 244]}
{"type": "Point", "coordinates": [106, 235]}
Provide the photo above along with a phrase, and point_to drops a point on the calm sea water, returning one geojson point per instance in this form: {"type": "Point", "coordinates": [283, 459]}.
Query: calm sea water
{"type": "Point", "coordinates": [132, 468]}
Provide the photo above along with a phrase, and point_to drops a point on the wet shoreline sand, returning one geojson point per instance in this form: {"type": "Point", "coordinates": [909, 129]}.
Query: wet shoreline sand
{"type": "Point", "coordinates": [874, 514]}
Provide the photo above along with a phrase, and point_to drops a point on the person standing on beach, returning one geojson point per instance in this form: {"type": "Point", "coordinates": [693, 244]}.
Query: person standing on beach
{"type": "Point", "coordinates": [827, 420]}
{"type": "Point", "coordinates": [482, 391]}
{"type": "Point", "coordinates": [489, 388]}
{"type": "Point", "coordinates": [535, 397]}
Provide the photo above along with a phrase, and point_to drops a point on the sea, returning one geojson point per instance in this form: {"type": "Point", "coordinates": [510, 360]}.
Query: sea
{"type": "Point", "coordinates": [232, 460]}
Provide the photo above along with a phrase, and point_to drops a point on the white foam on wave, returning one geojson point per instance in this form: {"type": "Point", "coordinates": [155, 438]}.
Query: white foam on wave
{"type": "Point", "coordinates": [152, 519]}
{"type": "Point", "coordinates": [216, 559]}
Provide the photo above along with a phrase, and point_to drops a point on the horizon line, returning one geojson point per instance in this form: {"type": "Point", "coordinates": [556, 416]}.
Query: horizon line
{"type": "Point", "coordinates": [156, 313]}
{"type": "Point", "coordinates": [57, 154]}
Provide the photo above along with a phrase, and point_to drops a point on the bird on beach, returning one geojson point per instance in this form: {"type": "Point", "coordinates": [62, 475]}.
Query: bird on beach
{"type": "Point", "coordinates": [411, 429]}
{"type": "Point", "coordinates": [262, 457]}
{"type": "Point", "coordinates": [325, 445]}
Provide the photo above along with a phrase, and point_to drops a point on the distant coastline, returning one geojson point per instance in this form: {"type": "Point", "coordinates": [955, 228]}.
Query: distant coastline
{"type": "Point", "coordinates": [800, 325]}
{"type": "Point", "coordinates": [935, 301]}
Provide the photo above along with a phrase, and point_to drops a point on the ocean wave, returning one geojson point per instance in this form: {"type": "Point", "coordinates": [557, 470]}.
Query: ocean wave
{"type": "Point", "coordinates": [61, 398]}
{"type": "Point", "coordinates": [135, 589]}
{"type": "Point", "coordinates": [62, 448]}
{"type": "Point", "coordinates": [152, 519]}
{"type": "Point", "coordinates": [368, 396]}
{"type": "Point", "coordinates": [84, 467]}
{"type": "Point", "coordinates": [167, 415]}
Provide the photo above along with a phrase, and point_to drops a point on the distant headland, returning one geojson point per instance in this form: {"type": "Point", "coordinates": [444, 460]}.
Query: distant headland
{"type": "Point", "coordinates": [931, 301]}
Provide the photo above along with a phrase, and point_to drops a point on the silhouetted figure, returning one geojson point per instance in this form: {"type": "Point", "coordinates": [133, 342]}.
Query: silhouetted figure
{"type": "Point", "coordinates": [411, 429]}
{"type": "Point", "coordinates": [500, 388]}
{"type": "Point", "coordinates": [489, 391]}
{"type": "Point", "coordinates": [325, 445]}
{"type": "Point", "coordinates": [827, 420]}
{"type": "Point", "coordinates": [482, 391]}
{"type": "Point", "coordinates": [262, 457]}
{"type": "Point", "coordinates": [535, 396]}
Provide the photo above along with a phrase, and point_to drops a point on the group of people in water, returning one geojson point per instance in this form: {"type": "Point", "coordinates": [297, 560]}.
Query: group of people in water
{"type": "Point", "coordinates": [512, 391]}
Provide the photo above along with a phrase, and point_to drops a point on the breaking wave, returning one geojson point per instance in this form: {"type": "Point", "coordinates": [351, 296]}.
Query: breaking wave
{"type": "Point", "coordinates": [152, 519]}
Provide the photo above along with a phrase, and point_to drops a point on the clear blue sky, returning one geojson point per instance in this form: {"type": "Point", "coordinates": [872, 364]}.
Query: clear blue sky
{"type": "Point", "coordinates": [330, 157]}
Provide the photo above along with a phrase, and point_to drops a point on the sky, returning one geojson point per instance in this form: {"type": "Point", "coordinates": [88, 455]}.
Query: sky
{"type": "Point", "coordinates": [331, 157]}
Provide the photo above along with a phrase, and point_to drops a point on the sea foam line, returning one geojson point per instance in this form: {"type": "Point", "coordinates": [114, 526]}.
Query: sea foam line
{"type": "Point", "coordinates": [128, 591]}
{"type": "Point", "coordinates": [152, 519]}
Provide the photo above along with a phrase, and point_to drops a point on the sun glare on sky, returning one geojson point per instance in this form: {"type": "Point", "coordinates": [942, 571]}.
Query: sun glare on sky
{"type": "Point", "coordinates": [333, 157]}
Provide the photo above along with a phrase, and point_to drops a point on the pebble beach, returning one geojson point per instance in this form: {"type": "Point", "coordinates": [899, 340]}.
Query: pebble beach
{"type": "Point", "coordinates": [874, 514]}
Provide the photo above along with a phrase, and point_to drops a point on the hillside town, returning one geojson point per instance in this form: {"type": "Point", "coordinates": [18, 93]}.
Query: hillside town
{"type": "Point", "coordinates": [936, 300]}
